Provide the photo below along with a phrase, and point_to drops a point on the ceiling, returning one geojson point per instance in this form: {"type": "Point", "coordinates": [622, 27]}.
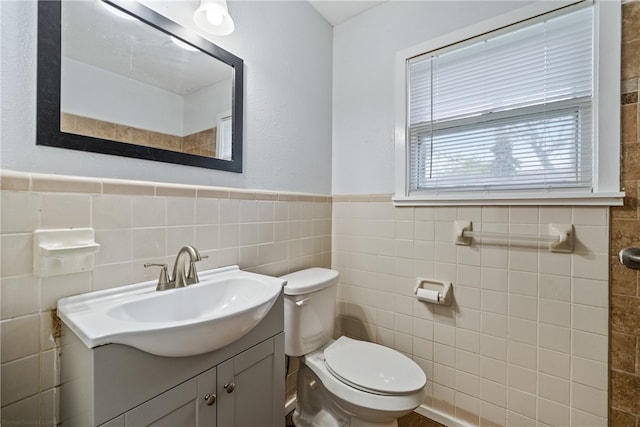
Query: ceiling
{"type": "Point", "coordinates": [338, 11]}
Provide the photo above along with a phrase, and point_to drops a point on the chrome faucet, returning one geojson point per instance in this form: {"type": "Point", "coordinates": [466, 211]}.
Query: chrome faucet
{"type": "Point", "coordinates": [179, 278]}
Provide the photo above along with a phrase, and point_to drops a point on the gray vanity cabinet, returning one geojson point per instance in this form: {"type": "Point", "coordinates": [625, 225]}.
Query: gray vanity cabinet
{"type": "Point", "coordinates": [120, 386]}
{"type": "Point", "coordinates": [183, 405]}
{"type": "Point", "coordinates": [245, 386]}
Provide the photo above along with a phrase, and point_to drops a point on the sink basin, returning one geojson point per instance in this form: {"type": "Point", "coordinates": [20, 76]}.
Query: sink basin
{"type": "Point", "coordinates": [223, 307]}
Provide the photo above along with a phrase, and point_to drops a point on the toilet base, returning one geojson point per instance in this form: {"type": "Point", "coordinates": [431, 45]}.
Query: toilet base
{"type": "Point", "coordinates": [317, 408]}
{"type": "Point", "coordinates": [324, 419]}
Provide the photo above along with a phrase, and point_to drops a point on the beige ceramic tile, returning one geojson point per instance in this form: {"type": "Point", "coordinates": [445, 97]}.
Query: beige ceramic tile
{"type": "Point", "coordinates": [20, 211]}
{"type": "Point", "coordinates": [467, 408]}
{"type": "Point", "coordinates": [177, 237]}
{"type": "Point", "coordinates": [556, 288]}
{"type": "Point", "coordinates": [65, 184]}
{"type": "Point", "coordinates": [132, 188]}
{"type": "Point", "coordinates": [111, 276]}
{"type": "Point", "coordinates": [65, 211]}
{"type": "Point", "coordinates": [580, 418]}
{"type": "Point", "coordinates": [115, 246]}
{"type": "Point", "coordinates": [493, 347]}
{"type": "Point", "coordinates": [492, 415]}
{"type": "Point", "coordinates": [555, 338]}
{"type": "Point", "coordinates": [522, 331]}
{"type": "Point", "coordinates": [554, 263]}
{"type": "Point", "coordinates": [554, 389]}
{"type": "Point", "coordinates": [591, 292]}
{"type": "Point", "coordinates": [521, 403]}
{"type": "Point", "coordinates": [590, 319]}
{"type": "Point", "coordinates": [111, 212]}
{"type": "Point", "coordinates": [20, 379]}
{"type": "Point", "coordinates": [523, 355]}
{"type": "Point", "coordinates": [593, 216]}
{"type": "Point", "coordinates": [493, 392]}
{"type": "Point", "coordinates": [56, 287]}
{"type": "Point", "coordinates": [49, 369]}
{"type": "Point", "coordinates": [149, 243]}
{"type": "Point", "coordinates": [17, 181]}
{"type": "Point", "coordinates": [493, 370]}
{"type": "Point", "coordinates": [149, 211]}
{"type": "Point", "coordinates": [20, 337]}
{"type": "Point", "coordinates": [522, 283]}
{"type": "Point", "coordinates": [554, 363]}
{"type": "Point", "coordinates": [23, 412]}
{"type": "Point", "coordinates": [555, 312]}
{"type": "Point", "coordinates": [590, 346]}
{"type": "Point", "coordinates": [166, 190]}
{"type": "Point", "coordinates": [589, 399]}
{"type": "Point", "coordinates": [523, 307]}
{"type": "Point", "coordinates": [468, 362]}
{"type": "Point", "coordinates": [19, 296]}
{"type": "Point", "coordinates": [589, 373]}
{"type": "Point", "coordinates": [553, 413]}
{"type": "Point", "coordinates": [19, 259]}
{"type": "Point", "coordinates": [180, 211]}
{"type": "Point", "coordinates": [494, 324]}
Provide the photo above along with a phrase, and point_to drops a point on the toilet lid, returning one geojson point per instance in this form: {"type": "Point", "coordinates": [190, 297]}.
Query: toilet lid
{"type": "Point", "coordinates": [372, 367]}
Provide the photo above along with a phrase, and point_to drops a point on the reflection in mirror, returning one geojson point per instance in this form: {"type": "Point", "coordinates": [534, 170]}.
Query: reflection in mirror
{"type": "Point", "coordinates": [137, 85]}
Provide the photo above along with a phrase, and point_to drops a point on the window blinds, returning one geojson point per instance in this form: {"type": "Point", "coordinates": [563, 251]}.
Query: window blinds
{"type": "Point", "coordinates": [508, 111]}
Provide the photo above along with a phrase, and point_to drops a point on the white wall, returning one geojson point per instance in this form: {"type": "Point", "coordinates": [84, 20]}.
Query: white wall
{"type": "Point", "coordinates": [201, 108]}
{"type": "Point", "coordinates": [364, 55]}
{"type": "Point", "coordinates": [286, 47]}
{"type": "Point", "coordinates": [93, 92]}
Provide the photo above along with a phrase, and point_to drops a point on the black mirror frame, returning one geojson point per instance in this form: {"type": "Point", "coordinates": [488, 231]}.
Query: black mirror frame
{"type": "Point", "coordinates": [48, 91]}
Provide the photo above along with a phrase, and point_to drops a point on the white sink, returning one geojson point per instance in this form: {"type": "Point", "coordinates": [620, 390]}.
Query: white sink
{"type": "Point", "coordinates": [223, 307]}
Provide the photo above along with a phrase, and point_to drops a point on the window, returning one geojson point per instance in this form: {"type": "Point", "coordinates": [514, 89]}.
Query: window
{"type": "Point", "coordinates": [223, 136]}
{"type": "Point", "coordinates": [506, 115]}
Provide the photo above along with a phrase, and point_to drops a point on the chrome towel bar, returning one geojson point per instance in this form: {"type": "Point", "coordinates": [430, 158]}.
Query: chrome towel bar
{"type": "Point", "coordinates": [560, 237]}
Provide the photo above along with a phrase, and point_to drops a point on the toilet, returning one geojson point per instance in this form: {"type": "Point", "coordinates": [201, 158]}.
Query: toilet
{"type": "Point", "coordinates": [342, 382]}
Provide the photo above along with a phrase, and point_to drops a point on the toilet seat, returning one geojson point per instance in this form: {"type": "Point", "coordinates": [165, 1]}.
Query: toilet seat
{"type": "Point", "coordinates": [358, 400]}
{"type": "Point", "coordinates": [373, 368]}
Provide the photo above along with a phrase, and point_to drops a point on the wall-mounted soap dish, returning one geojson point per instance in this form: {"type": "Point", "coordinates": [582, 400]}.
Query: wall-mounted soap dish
{"type": "Point", "coordinates": [63, 251]}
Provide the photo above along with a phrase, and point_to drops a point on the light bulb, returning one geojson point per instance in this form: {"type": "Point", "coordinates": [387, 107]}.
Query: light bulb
{"type": "Point", "coordinates": [214, 16]}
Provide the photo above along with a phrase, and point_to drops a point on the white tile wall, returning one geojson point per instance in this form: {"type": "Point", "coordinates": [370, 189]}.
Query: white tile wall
{"type": "Point", "coordinates": [525, 341]}
{"type": "Point", "coordinates": [135, 223]}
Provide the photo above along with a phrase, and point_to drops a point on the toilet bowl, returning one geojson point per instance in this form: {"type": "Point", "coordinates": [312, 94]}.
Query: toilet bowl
{"type": "Point", "coordinates": [342, 382]}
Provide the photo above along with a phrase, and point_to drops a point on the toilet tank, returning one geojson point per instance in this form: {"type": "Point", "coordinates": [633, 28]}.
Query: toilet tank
{"type": "Point", "coordinates": [309, 309]}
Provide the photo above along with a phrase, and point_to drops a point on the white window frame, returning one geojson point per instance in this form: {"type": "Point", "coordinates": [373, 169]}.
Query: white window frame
{"type": "Point", "coordinates": [223, 145]}
{"type": "Point", "coordinates": [606, 113]}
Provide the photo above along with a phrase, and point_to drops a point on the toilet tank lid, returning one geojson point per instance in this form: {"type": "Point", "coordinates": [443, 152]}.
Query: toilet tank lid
{"type": "Point", "coordinates": [309, 280]}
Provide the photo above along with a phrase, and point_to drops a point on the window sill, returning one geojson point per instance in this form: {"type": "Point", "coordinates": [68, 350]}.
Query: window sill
{"type": "Point", "coordinates": [512, 199]}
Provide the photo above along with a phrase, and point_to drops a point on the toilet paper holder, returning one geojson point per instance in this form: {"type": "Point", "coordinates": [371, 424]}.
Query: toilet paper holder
{"type": "Point", "coordinates": [433, 291]}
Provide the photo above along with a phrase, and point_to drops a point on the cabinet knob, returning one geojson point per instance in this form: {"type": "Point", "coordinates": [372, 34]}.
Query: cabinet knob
{"type": "Point", "coordinates": [229, 387]}
{"type": "Point", "coordinates": [210, 399]}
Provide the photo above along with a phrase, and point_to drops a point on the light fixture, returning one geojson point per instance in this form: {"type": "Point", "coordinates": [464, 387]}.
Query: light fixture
{"type": "Point", "coordinates": [213, 17]}
{"type": "Point", "coordinates": [183, 45]}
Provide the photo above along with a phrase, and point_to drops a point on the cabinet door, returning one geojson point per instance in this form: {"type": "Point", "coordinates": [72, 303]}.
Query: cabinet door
{"type": "Point", "coordinates": [184, 405]}
{"type": "Point", "coordinates": [251, 387]}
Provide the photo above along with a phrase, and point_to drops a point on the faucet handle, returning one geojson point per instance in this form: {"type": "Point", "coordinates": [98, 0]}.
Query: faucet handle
{"type": "Point", "coordinates": [163, 279]}
{"type": "Point", "coordinates": [192, 275]}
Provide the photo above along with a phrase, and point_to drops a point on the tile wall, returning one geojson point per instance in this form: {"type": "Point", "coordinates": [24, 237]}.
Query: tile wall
{"type": "Point", "coordinates": [135, 222]}
{"type": "Point", "coordinates": [525, 341]}
{"type": "Point", "coordinates": [201, 143]}
{"type": "Point", "coordinates": [624, 351]}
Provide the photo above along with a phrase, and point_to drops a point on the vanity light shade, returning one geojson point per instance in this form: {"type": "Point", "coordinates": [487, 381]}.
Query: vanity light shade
{"type": "Point", "coordinates": [205, 17]}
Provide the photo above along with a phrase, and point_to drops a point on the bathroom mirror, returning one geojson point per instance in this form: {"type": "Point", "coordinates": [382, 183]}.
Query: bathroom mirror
{"type": "Point", "coordinates": [116, 77]}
